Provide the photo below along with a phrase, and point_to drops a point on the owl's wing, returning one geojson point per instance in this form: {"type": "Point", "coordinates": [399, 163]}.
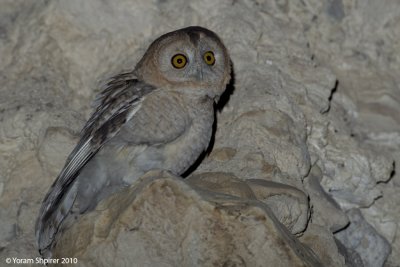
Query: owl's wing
{"type": "Point", "coordinates": [114, 106]}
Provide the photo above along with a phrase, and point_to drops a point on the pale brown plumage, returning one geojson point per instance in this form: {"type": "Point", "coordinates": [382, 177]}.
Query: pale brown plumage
{"type": "Point", "coordinates": [160, 116]}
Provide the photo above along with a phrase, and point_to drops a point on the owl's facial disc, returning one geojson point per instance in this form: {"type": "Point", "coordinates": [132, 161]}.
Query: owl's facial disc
{"type": "Point", "coordinates": [192, 57]}
{"type": "Point", "coordinates": [180, 61]}
{"type": "Point", "coordinates": [200, 62]}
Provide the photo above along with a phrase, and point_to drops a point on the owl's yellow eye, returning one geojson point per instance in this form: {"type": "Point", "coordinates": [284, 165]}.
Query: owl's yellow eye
{"type": "Point", "coordinates": [179, 61]}
{"type": "Point", "coordinates": [209, 58]}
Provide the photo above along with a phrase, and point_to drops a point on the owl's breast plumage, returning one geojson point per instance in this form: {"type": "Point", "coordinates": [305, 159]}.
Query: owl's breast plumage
{"type": "Point", "coordinates": [184, 151]}
{"type": "Point", "coordinates": [175, 130]}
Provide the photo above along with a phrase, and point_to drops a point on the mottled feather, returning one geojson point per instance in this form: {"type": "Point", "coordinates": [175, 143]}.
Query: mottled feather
{"type": "Point", "coordinates": [114, 106]}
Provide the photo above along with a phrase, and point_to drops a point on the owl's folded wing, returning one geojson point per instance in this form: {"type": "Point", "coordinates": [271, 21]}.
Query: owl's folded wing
{"type": "Point", "coordinates": [115, 105]}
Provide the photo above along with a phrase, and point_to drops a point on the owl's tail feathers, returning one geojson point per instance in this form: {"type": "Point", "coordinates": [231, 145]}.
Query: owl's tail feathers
{"type": "Point", "coordinates": [50, 220]}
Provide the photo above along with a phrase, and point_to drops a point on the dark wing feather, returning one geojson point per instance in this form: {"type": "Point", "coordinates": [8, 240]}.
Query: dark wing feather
{"type": "Point", "coordinates": [115, 105]}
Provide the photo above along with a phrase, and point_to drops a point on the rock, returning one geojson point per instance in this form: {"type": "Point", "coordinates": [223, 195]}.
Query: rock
{"type": "Point", "coordinates": [223, 154]}
{"type": "Point", "coordinates": [222, 183]}
{"type": "Point", "coordinates": [352, 259]}
{"type": "Point", "coordinates": [361, 237]}
{"type": "Point", "coordinates": [289, 204]}
{"type": "Point", "coordinates": [333, 217]}
{"type": "Point", "coordinates": [162, 221]}
{"type": "Point", "coordinates": [321, 241]}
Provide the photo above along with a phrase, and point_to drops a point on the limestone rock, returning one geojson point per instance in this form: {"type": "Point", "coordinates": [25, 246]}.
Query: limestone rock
{"type": "Point", "coordinates": [363, 238]}
{"type": "Point", "coordinates": [321, 241]}
{"type": "Point", "coordinates": [162, 221]}
{"type": "Point", "coordinates": [289, 204]}
{"type": "Point", "coordinates": [324, 203]}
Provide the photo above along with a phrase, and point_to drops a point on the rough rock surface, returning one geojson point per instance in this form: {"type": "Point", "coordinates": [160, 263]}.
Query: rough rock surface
{"type": "Point", "coordinates": [199, 228]}
{"type": "Point", "coordinates": [361, 237]}
{"type": "Point", "coordinates": [314, 106]}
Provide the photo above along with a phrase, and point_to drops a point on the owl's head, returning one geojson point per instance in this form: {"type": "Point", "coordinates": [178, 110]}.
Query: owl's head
{"type": "Point", "coordinates": [192, 59]}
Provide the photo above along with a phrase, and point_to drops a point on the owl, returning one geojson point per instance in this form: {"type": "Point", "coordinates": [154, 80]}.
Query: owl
{"type": "Point", "coordinates": [159, 116]}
